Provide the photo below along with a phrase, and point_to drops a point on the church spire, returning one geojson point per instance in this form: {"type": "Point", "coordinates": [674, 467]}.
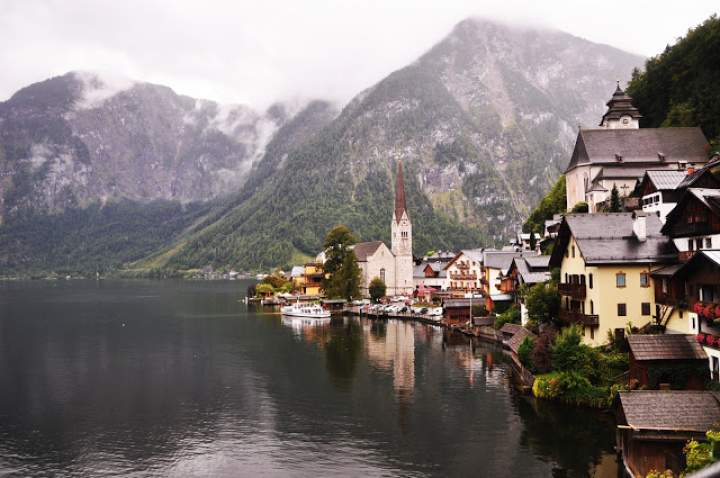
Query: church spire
{"type": "Point", "coordinates": [399, 193]}
{"type": "Point", "coordinates": [620, 113]}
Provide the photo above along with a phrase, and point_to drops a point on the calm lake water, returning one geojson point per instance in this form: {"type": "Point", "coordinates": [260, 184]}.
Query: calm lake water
{"type": "Point", "coordinates": [165, 378]}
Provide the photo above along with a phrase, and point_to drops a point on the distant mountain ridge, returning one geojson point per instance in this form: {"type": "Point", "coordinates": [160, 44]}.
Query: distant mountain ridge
{"type": "Point", "coordinates": [483, 122]}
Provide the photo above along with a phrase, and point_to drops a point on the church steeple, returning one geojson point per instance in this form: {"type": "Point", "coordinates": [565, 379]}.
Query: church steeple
{"type": "Point", "coordinates": [399, 193]}
{"type": "Point", "coordinates": [621, 113]}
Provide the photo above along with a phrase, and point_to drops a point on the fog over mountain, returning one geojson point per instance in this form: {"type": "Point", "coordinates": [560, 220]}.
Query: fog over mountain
{"type": "Point", "coordinates": [483, 121]}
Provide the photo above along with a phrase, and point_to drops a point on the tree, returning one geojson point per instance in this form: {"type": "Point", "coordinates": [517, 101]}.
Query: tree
{"type": "Point", "coordinates": [341, 264]}
{"type": "Point", "coordinates": [569, 354]}
{"type": "Point", "coordinates": [264, 289]}
{"type": "Point", "coordinates": [525, 352]}
{"type": "Point", "coordinates": [542, 302]}
{"type": "Point", "coordinates": [541, 356]}
{"type": "Point", "coordinates": [581, 207]}
{"type": "Point", "coordinates": [377, 289]}
{"type": "Point", "coordinates": [532, 240]}
{"type": "Point", "coordinates": [615, 202]}
{"type": "Point", "coordinates": [554, 202]}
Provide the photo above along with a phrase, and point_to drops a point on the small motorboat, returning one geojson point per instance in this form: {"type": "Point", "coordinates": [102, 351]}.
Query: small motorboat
{"type": "Point", "coordinates": [307, 311]}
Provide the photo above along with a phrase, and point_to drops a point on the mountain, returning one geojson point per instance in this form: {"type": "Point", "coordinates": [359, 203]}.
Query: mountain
{"type": "Point", "coordinates": [79, 138]}
{"type": "Point", "coordinates": [484, 123]}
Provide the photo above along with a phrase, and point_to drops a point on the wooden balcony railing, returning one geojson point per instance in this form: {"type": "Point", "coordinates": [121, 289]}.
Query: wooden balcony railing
{"type": "Point", "coordinates": [462, 276]}
{"type": "Point", "coordinates": [574, 317]}
{"type": "Point", "coordinates": [576, 291]}
{"type": "Point", "coordinates": [692, 229]}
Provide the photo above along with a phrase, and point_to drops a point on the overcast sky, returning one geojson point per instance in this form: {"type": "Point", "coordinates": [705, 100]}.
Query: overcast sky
{"type": "Point", "coordinates": [258, 51]}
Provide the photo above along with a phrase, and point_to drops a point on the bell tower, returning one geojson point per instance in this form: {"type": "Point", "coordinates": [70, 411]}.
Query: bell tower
{"type": "Point", "coordinates": [401, 229]}
{"type": "Point", "coordinates": [621, 113]}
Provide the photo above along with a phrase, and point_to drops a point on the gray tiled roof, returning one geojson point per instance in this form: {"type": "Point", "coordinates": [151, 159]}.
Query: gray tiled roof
{"type": "Point", "coordinates": [643, 145]}
{"type": "Point", "coordinates": [500, 260]}
{"type": "Point", "coordinates": [529, 277]}
{"type": "Point", "coordinates": [364, 249]}
{"type": "Point", "coordinates": [665, 180]}
{"type": "Point", "coordinates": [510, 328]}
{"type": "Point", "coordinates": [670, 410]}
{"type": "Point", "coordinates": [608, 237]}
{"type": "Point", "coordinates": [538, 261]}
{"type": "Point", "coordinates": [666, 347]}
{"type": "Point", "coordinates": [518, 338]}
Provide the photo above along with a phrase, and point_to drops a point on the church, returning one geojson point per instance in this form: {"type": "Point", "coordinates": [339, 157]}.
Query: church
{"type": "Point", "coordinates": [618, 153]}
{"type": "Point", "coordinates": [393, 265]}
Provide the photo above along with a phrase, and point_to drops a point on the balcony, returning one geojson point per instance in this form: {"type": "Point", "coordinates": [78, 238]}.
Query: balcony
{"type": "Point", "coordinates": [462, 276]}
{"type": "Point", "coordinates": [576, 291]}
{"type": "Point", "coordinates": [691, 229]}
{"type": "Point", "coordinates": [576, 317]}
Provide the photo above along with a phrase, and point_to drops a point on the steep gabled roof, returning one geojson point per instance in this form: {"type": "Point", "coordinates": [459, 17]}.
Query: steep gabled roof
{"type": "Point", "coordinates": [652, 147]}
{"type": "Point", "coordinates": [500, 260]}
{"type": "Point", "coordinates": [666, 347]}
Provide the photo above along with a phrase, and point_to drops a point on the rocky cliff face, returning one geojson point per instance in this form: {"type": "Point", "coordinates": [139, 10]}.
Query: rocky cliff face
{"type": "Point", "coordinates": [80, 138]}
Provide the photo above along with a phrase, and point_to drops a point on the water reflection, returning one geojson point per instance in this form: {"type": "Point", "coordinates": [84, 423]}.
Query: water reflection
{"type": "Point", "coordinates": [180, 379]}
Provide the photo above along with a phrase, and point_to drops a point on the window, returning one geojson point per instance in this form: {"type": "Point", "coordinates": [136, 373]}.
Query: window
{"type": "Point", "coordinates": [693, 322]}
{"type": "Point", "coordinates": [382, 274]}
{"type": "Point", "coordinates": [708, 243]}
{"type": "Point", "coordinates": [645, 308]}
{"type": "Point", "coordinates": [620, 279]}
{"type": "Point", "coordinates": [567, 252]}
{"type": "Point", "coordinates": [592, 333]}
{"type": "Point", "coordinates": [691, 245]}
{"type": "Point", "coordinates": [622, 310]}
{"type": "Point", "coordinates": [664, 286]}
{"type": "Point", "coordinates": [590, 281]}
{"type": "Point", "coordinates": [566, 278]}
{"type": "Point", "coordinates": [592, 308]}
{"type": "Point", "coordinates": [698, 244]}
{"type": "Point", "coordinates": [644, 279]}
{"type": "Point", "coordinates": [573, 251]}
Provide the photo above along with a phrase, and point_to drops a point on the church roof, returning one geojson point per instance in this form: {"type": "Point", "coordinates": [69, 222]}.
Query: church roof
{"type": "Point", "coordinates": [649, 147]}
{"type": "Point", "coordinates": [399, 193]}
{"type": "Point", "coordinates": [620, 105]}
{"type": "Point", "coordinates": [364, 249]}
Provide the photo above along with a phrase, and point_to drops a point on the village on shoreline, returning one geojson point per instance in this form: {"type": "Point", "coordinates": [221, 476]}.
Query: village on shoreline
{"type": "Point", "coordinates": [614, 302]}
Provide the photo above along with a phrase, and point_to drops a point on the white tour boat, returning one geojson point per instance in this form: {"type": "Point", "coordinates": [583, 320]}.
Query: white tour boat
{"type": "Point", "coordinates": [308, 311]}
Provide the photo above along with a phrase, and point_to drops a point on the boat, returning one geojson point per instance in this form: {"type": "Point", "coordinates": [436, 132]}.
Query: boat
{"type": "Point", "coordinates": [308, 311]}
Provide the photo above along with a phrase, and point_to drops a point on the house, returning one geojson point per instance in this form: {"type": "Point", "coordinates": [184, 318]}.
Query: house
{"type": "Point", "coordinates": [694, 224]}
{"type": "Point", "coordinates": [551, 226]}
{"type": "Point", "coordinates": [464, 272]}
{"type": "Point", "coordinates": [393, 265]}
{"type": "Point", "coordinates": [525, 270]}
{"type": "Point", "coordinates": [619, 152]}
{"type": "Point", "coordinates": [605, 260]}
{"type": "Point", "coordinates": [658, 191]}
{"type": "Point", "coordinates": [673, 359]}
{"type": "Point", "coordinates": [313, 275]}
{"type": "Point", "coordinates": [458, 309]}
{"type": "Point", "coordinates": [430, 274]}
{"type": "Point", "coordinates": [495, 266]}
{"type": "Point", "coordinates": [297, 276]}
{"type": "Point", "coordinates": [688, 298]}
{"type": "Point", "coordinates": [507, 331]}
{"type": "Point", "coordinates": [655, 425]}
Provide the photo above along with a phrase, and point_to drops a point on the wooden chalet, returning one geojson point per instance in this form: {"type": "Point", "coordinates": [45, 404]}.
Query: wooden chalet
{"type": "Point", "coordinates": [654, 426]}
{"type": "Point", "coordinates": [671, 361]}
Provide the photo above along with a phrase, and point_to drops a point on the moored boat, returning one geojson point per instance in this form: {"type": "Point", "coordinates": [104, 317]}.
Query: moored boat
{"type": "Point", "coordinates": [309, 311]}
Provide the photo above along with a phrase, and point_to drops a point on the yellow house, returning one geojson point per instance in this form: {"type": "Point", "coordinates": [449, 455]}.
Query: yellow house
{"type": "Point", "coordinates": [313, 276]}
{"type": "Point", "coordinates": [605, 261]}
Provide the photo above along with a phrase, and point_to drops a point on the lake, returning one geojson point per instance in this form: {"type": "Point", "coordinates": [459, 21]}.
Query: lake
{"type": "Point", "coordinates": [180, 378]}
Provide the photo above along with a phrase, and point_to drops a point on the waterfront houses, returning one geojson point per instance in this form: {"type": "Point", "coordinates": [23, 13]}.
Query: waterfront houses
{"type": "Point", "coordinates": [525, 270]}
{"type": "Point", "coordinates": [605, 261]}
{"type": "Point", "coordinates": [667, 360]}
{"type": "Point", "coordinates": [495, 266]}
{"type": "Point", "coordinates": [430, 271]}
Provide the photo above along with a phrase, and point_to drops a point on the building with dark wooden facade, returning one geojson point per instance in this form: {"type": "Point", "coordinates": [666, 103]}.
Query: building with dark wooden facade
{"type": "Point", "coordinates": [673, 360]}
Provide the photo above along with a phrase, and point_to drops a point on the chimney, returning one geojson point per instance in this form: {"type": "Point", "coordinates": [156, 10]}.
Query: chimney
{"type": "Point", "coordinates": [639, 219]}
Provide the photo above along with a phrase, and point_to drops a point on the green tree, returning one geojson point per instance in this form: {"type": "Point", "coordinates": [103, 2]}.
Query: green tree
{"type": "Point", "coordinates": [525, 352]}
{"type": "Point", "coordinates": [553, 203]}
{"type": "Point", "coordinates": [337, 246]}
{"type": "Point", "coordinates": [581, 207]}
{"type": "Point", "coordinates": [569, 354]}
{"type": "Point", "coordinates": [264, 289]}
{"type": "Point", "coordinates": [615, 202]}
{"type": "Point", "coordinates": [377, 289]}
{"type": "Point", "coordinates": [542, 302]}
{"type": "Point", "coordinates": [532, 240]}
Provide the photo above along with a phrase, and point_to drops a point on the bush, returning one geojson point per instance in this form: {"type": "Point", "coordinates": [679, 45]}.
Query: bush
{"type": "Point", "coordinates": [510, 316]}
{"type": "Point", "coordinates": [377, 289]}
{"type": "Point", "coordinates": [571, 387]}
{"type": "Point", "coordinates": [580, 207]}
{"type": "Point", "coordinates": [525, 352]}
